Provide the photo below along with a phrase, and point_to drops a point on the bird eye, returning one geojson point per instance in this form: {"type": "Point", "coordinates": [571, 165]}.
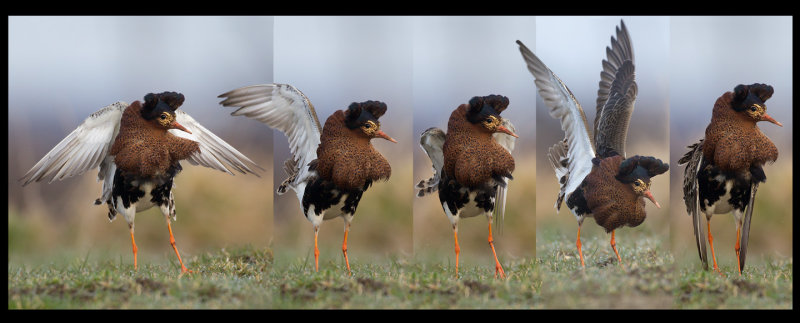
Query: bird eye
{"type": "Point", "coordinates": [368, 126]}
{"type": "Point", "coordinates": [163, 116]}
{"type": "Point", "coordinates": [636, 183]}
{"type": "Point", "coordinates": [753, 108]}
{"type": "Point", "coordinates": [488, 120]}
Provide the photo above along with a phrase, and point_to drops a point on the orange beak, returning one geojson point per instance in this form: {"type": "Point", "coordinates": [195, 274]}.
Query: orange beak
{"type": "Point", "coordinates": [650, 196]}
{"type": "Point", "coordinates": [766, 117]}
{"type": "Point", "coordinates": [176, 125]}
{"type": "Point", "coordinates": [383, 135]}
{"type": "Point", "coordinates": [506, 131]}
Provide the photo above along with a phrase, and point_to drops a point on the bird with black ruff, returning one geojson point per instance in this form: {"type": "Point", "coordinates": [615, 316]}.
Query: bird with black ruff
{"type": "Point", "coordinates": [723, 169]}
{"type": "Point", "coordinates": [138, 149]}
{"type": "Point", "coordinates": [596, 178]}
{"type": "Point", "coordinates": [471, 164]}
{"type": "Point", "coordinates": [330, 167]}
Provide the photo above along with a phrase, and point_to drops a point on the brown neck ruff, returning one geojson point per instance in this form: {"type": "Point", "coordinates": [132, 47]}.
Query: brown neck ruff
{"type": "Point", "coordinates": [733, 141]}
{"type": "Point", "coordinates": [346, 156]}
{"type": "Point", "coordinates": [613, 203]}
{"type": "Point", "coordinates": [471, 155]}
{"type": "Point", "coordinates": [144, 149]}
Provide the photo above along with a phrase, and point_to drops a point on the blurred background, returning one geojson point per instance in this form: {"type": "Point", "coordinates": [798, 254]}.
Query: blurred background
{"type": "Point", "coordinates": [573, 48]}
{"type": "Point", "coordinates": [708, 57]}
{"type": "Point", "coordinates": [455, 59]}
{"type": "Point", "coordinates": [335, 61]}
{"type": "Point", "coordinates": [62, 69]}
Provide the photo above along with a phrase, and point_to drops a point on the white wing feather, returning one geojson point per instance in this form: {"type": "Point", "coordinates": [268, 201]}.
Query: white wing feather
{"type": "Point", "coordinates": [83, 149]}
{"type": "Point", "coordinates": [432, 141]}
{"type": "Point", "coordinates": [284, 108]}
{"type": "Point", "coordinates": [214, 152]}
{"type": "Point", "coordinates": [564, 106]}
{"type": "Point", "coordinates": [508, 142]}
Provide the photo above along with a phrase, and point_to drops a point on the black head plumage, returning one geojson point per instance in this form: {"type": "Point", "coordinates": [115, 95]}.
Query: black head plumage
{"type": "Point", "coordinates": [155, 104]}
{"type": "Point", "coordinates": [640, 167]}
{"type": "Point", "coordinates": [744, 96]}
{"type": "Point", "coordinates": [481, 107]}
{"type": "Point", "coordinates": [359, 113]}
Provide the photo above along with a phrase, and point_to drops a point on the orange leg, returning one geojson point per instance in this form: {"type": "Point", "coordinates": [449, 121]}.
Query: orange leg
{"type": "Point", "coordinates": [614, 246]}
{"type": "Point", "coordinates": [578, 243]}
{"type": "Point", "coordinates": [497, 267]}
{"type": "Point", "coordinates": [344, 249]}
{"type": "Point", "coordinates": [172, 242]}
{"type": "Point", "coordinates": [316, 249]}
{"type": "Point", "coordinates": [458, 249]}
{"type": "Point", "coordinates": [738, 265]}
{"type": "Point", "coordinates": [711, 243]}
{"type": "Point", "coordinates": [135, 250]}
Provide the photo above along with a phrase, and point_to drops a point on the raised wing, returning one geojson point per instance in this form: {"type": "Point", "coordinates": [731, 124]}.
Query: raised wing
{"type": "Point", "coordinates": [508, 142]}
{"type": "Point", "coordinates": [431, 142]}
{"type": "Point", "coordinates": [284, 108]}
{"type": "Point", "coordinates": [616, 96]}
{"type": "Point", "coordinates": [693, 159]}
{"type": "Point", "coordinates": [83, 149]}
{"type": "Point", "coordinates": [214, 152]}
{"type": "Point", "coordinates": [576, 151]}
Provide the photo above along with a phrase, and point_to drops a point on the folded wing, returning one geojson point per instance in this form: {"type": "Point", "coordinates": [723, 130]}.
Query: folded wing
{"type": "Point", "coordinates": [693, 159]}
{"type": "Point", "coordinates": [431, 142]}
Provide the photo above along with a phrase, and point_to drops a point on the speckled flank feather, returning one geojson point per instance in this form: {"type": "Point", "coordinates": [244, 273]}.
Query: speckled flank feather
{"type": "Point", "coordinates": [733, 141]}
{"type": "Point", "coordinates": [613, 203]}
{"type": "Point", "coordinates": [145, 149]}
{"type": "Point", "coordinates": [471, 156]}
{"type": "Point", "coordinates": [346, 157]}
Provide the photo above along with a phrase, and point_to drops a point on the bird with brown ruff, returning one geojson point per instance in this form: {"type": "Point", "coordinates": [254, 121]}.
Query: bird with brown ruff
{"type": "Point", "coordinates": [596, 178]}
{"type": "Point", "coordinates": [138, 149]}
{"type": "Point", "coordinates": [723, 169]}
{"type": "Point", "coordinates": [471, 163]}
{"type": "Point", "coordinates": [332, 166]}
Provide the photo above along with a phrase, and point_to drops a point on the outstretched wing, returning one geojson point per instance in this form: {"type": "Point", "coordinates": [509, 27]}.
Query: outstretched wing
{"type": "Point", "coordinates": [83, 149]}
{"type": "Point", "coordinates": [693, 159]}
{"type": "Point", "coordinates": [616, 96]}
{"type": "Point", "coordinates": [508, 143]}
{"type": "Point", "coordinates": [285, 108]}
{"type": "Point", "coordinates": [431, 142]}
{"type": "Point", "coordinates": [214, 152]}
{"type": "Point", "coordinates": [575, 154]}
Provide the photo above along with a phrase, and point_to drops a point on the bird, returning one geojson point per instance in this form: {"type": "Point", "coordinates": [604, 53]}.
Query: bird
{"type": "Point", "coordinates": [724, 168]}
{"type": "Point", "coordinates": [331, 166]}
{"type": "Point", "coordinates": [595, 176]}
{"type": "Point", "coordinates": [471, 163]}
{"type": "Point", "coordinates": [138, 149]}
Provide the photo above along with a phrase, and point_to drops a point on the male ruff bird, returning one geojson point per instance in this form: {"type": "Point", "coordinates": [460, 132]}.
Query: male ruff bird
{"type": "Point", "coordinates": [596, 178]}
{"type": "Point", "coordinates": [330, 167]}
{"type": "Point", "coordinates": [138, 149]}
{"type": "Point", "coordinates": [723, 169]}
{"type": "Point", "coordinates": [471, 163]}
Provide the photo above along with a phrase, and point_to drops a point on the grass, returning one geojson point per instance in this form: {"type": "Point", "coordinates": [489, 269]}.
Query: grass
{"type": "Point", "coordinates": [253, 278]}
{"type": "Point", "coordinates": [250, 277]}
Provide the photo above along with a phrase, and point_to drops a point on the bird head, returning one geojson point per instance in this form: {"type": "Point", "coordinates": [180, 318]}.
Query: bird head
{"type": "Point", "coordinates": [637, 171]}
{"type": "Point", "coordinates": [485, 110]}
{"type": "Point", "coordinates": [160, 109]}
{"type": "Point", "coordinates": [362, 118]}
{"type": "Point", "coordinates": [749, 100]}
